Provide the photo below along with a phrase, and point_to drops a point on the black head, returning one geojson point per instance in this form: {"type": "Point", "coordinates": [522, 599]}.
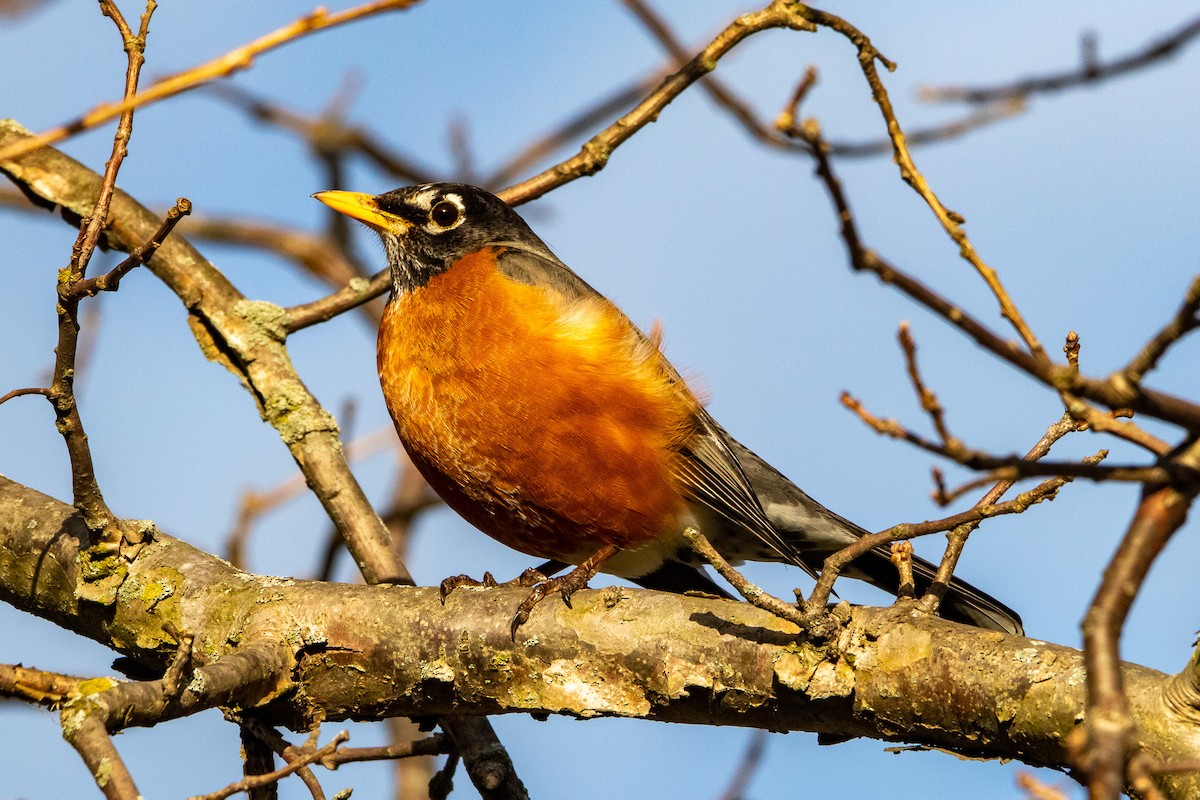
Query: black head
{"type": "Point", "coordinates": [426, 229]}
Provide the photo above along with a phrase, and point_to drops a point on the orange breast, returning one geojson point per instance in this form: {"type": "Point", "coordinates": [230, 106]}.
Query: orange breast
{"type": "Point", "coordinates": [547, 423]}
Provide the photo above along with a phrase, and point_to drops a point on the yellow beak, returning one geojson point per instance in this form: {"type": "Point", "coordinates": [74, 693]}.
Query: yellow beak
{"type": "Point", "coordinates": [363, 208]}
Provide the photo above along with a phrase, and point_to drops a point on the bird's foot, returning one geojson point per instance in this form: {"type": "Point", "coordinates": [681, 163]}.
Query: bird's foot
{"type": "Point", "coordinates": [530, 577]}
{"type": "Point", "coordinates": [565, 585]}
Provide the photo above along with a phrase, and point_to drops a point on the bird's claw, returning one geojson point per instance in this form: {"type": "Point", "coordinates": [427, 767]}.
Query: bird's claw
{"type": "Point", "coordinates": [530, 577]}
{"type": "Point", "coordinates": [565, 585]}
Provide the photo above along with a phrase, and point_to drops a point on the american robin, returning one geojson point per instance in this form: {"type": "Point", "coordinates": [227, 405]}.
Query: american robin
{"type": "Point", "coordinates": [547, 419]}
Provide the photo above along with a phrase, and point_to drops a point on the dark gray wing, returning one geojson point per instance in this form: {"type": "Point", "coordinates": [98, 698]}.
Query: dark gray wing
{"type": "Point", "coordinates": [757, 513]}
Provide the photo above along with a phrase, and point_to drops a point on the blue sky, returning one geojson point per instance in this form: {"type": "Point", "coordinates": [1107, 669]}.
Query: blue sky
{"type": "Point", "coordinates": [1087, 205]}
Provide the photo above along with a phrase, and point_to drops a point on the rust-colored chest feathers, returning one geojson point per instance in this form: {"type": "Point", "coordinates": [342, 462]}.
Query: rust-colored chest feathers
{"type": "Point", "coordinates": [547, 422]}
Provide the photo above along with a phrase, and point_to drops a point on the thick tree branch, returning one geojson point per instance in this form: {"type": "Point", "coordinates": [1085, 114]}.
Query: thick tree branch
{"type": "Point", "coordinates": [362, 652]}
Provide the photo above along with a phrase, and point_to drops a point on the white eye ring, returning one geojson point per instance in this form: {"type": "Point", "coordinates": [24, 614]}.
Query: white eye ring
{"type": "Point", "coordinates": [446, 214]}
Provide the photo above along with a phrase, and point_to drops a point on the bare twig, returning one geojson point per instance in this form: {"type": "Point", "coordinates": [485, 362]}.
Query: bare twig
{"type": "Point", "coordinates": [312, 253]}
{"type": "Point", "coordinates": [956, 538]}
{"type": "Point", "coordinates": [977, 118]}
{"type": "Point", "coordinates": [42, 390]}
{"type": "Point", "coordinates": [354, 294]}
{"type": "Point", "coordinates": [433, 745]}
{"type": "Point", "coordinates": [442, 782]}
{"type": "Point", "coordinates": [1011, 467]}
{"type": "Point", "coordinates": [902, 556]}
{"type": "Point", "coordinates": [944, 496]}
{"type": "Point", "coordinates": [258, 759]}
{"type": "Point", "coordinates": [255, 781]}
{"type": "Point", "coordinates": [834, 564]}
{"type": "Point", "coordinates": [753, 594]}
{"type": "Point", "coordinates": [928, 400]}
{"type": "Point", "coordinates": [223, 66]}
{"type": "Point", "coordinates": [487, 763]}
{"type": "Point", "coordinates": [749, 764]}
{"type": "Point", "coordinates": [1036, 790]}
{"type": "Point", "coordinates": [1112, 393]}
{"type": "Point", "coordinates": [721, 94]}
{"type": "Point", "coordinates": [111, 280]}
{"type": "Point", "coordinates": [327, 133]}
{"type": "Point", "coordinates": [94, 744]}
{"type": "Point", "coordinates": [596, 152]}
{"type": "Point", "coordinates": [951, 222]}
{"type": "Point", "coordinates": [785, 123]}
{"type": "Point", "coordinates": [1185, 320]}
{"type": "Point", "coordinates": [85, 489]}
{"type": "Point", "coordinates": [1090, 71]}
{"type": "Point", "coordinates": [568, 131]}
{"type": "Point", "coordinates": [256, 503]}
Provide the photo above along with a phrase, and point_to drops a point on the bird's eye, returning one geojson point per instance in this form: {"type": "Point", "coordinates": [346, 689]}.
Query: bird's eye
{"type": "Point", "coordinates": [444, 214]}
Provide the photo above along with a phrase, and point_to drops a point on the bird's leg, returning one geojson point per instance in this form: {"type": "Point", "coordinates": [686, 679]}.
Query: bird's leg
{"type": "Point", "coordinates": [565, 585]}
{"type": "Point", "coordinates": [530, 577]}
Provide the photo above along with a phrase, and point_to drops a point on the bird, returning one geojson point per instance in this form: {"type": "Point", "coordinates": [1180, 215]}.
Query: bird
{"type": "Point", "coordinates": [546, 418]}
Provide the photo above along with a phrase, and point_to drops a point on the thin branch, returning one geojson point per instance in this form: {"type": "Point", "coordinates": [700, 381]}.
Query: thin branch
{"type": "Point", "coordinates": [259, 759]}
{"type": "Point", "coordinates": [1109, 727]}
{"type": "Point", "coordinates": [354, 294]}
{"type": "Point", "coordinates": [834, 564]}
{"type": "Point", "coordinates": [926, 396]}
{"type": "Point", "coordinates": [411, 776]}
{"type": "Point", "coordinates": [86, 490]}
{"type": "Point", "coordinates": [716, 89]}
{"type": "Point", "coordinates": [410, 496]}
{"type": "Point", "coordinates": [488, 764]}
{"type": "Point", "coordinates": [747, 767]}
{"type": "Point", "coordinates": [442, 782]}
{"type": "Point", "coordinates": [255, 728]}
{"type": "Point", "coordinates": [111, 280]}
{"type": "Point", "coordinates": [977, 118]}
{"type": "Point", "coordinates": [594, 154]}
{"type": "Point", "coordinates": [313, 253]}
{"type": "Point", "coordinates": [94, 744]}
{"type": "Point", "coordinates": [754, 595]}
{"type": "Point", "coordinates": [327, 133]}
{"type": "Point", "coordinates": [901, 557]}
{"type": "Point", "coordinates": [37, 686]}
{"type": "Point", "coordinates": [1013, 467]}
{"type": "Point", "coordinates": [1091, 71]}
{"type": "Point", "coordinates": [944, 496]}
{"type": "Point", "coordinates": [436, 744]}
{"type": "Point", "coordinates": [1108, 392]}
{"type": "Point", "coordinates": [951, 222]}
{"type": "Point", "coordinates": [223, 66]}
{"type": "Point", "coordinates": [956, 537]}
{"type": "Point", "coordinates": [42, 390]}
{"type": "Point", "coordinates": [1185, 320]}
{"type": "Point", "coordinates": [541, 147]}
{"type": "Point", "coordinates": [254, 504]}
{"type": "Point", "coordinates": [255, 781]}
{"type": "Point", "coordinates": [785, 123]}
